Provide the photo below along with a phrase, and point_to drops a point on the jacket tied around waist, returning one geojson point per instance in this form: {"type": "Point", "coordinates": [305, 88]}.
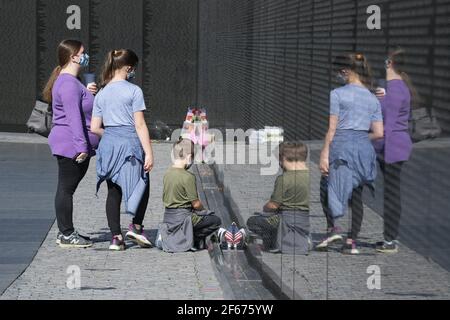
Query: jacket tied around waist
{"type": "Point", "coordinates": [352, 163]}
{"type": "Point", "coordinates": [120, 158]}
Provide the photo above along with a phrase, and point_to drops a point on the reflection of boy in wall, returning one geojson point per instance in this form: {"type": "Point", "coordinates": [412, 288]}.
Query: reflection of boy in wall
{"type": "Point", "coordinates": [290, 193]}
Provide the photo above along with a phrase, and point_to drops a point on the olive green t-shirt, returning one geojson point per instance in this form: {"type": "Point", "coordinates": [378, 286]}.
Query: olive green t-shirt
{"type": "Point", "coordinates": [179, 189]}
{"type": "Point", "coordinates": [291, 190]}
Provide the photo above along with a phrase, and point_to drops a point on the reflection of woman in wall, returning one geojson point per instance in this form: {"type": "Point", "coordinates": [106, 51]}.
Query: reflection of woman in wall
{"type": "Point", "coordinates": [70, 139]}
{"type": "Point", "coordinates": [396, 146]}
{"type": "Point", "coordinates": [348, 157]}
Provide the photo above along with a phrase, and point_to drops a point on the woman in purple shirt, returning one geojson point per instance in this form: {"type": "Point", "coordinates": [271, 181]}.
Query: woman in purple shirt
{"type": "Point", "coordinates": [395, 149]}
{"type": "Point", "coordinates": [70, 139]}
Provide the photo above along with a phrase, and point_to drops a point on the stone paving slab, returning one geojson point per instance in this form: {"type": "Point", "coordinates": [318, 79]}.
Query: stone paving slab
{"type": "Point", "coordinates": [331, 275]}
{"type": "Point", "coordinates": [133, 274]}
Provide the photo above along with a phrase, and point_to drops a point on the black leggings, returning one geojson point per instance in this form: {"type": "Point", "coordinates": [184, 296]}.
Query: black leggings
{"type": "Point", "coordinates": [392, 199]}
{"type": "Point", "coordinates": [70, 173]}
{"type": "Point", "coordinates": [113, 201]}
{"type": "Point", "coordinates": [356, 205]}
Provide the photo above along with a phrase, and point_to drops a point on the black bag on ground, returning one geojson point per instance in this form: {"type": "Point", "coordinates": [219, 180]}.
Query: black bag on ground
{"type": "Point", "coordinates": [40, 120]}
{"type": "Point", "coordinates": [159, 131]}
{"type": "Point", "coordinates": [423, 125]}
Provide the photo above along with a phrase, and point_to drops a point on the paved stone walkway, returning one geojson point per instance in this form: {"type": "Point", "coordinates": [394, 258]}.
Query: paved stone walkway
{"type": "Point", "coordinates": [322, 275]}
{"type": "Point", "coordinates": [133, 274]}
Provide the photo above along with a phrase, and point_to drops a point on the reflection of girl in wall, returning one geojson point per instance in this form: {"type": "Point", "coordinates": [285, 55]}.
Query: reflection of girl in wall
{"type": "Point", "coordinates": [70, 139]}
{"type": "Point", "coordinates": [124, 155]}
{"type": "Point", "coordinates": [348, 157]}
{"type": "Point", "coordinates": [396, 146]}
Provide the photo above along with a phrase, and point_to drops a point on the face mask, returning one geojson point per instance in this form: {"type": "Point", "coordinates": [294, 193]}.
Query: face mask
{"type": "Point", "coordinates": [341, 78]}
{"type": "Point", "coordinates": [131, 74]}
{"type": "Point", "coordinates": [84, 60]}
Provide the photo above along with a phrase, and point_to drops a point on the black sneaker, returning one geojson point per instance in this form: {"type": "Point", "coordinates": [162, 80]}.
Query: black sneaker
{"type": "Point", "coordinates": [387, 247]}
{"type": "Point", "coordinates": [60, 235]}
{"type": "Point", "coordinates": [75, 241]}
{"type": "Point", "coordinates": [350, 249]}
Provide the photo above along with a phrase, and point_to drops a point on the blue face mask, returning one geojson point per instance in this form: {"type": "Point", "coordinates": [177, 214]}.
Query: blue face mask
{"type": "Point", "coordinates": [84, 60]}
{"type": "Point", "coordinates": [131, 74]}
{"type": "Point", "coordinates": [341, 78]}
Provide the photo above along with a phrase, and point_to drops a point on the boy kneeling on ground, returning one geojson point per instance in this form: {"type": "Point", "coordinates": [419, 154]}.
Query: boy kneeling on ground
{"type": "Point", "coordinates": [284, 223]}
{"type": "Point", "coordinates": [186, 222]}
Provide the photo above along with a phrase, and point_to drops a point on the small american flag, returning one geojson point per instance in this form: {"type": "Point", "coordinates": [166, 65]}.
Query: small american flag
{"type": "Point", "coordinates": [234, 236]}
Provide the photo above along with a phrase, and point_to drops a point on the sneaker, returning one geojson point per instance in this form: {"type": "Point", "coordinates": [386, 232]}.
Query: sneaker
{"type": "Point", "coordinates": [333, 236]}
{"type": "Point", "coordinates": [60, 235]}
{"type": "Point", "coordinates": [350, 249]}
{"type": "Point", "coordinates": [138, 236]}
{"type": "Point", "coordinates": [387, 247]}
{"type": "Point", "coordinates": [275, 251]}
{"type": "Point", "coordinates": [75, 241]}
{"type": "Point", "coordinates": [117, 244]}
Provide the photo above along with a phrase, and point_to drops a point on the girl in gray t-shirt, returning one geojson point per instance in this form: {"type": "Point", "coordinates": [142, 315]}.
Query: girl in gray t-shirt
{"type": "Point", "coordinates": [348, 160]}
{"type": "Point", "coordinates": [124, 155]}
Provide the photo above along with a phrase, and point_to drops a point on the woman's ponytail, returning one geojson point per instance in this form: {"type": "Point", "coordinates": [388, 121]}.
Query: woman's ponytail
{"type": "Point", "coordinates": [108, 69]}
{"type": "Point", "coordinates": [47, 92]}
{"type": "Point", "coordinates": [116, 59]}
{"type": "Point", "coordinates": [398, 59]}
{"type": "Point", "coordinates": [358, 64]}
{"type": "Point", "coordinates": [363, 69]}
{"type": "Point", "coordinates": [65, 50]}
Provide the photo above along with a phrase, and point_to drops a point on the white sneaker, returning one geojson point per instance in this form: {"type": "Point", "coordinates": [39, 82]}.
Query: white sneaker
{"type": "Point", "coordinates": [138, 236]}
{"type": "Point", "coordinates": [333, 237]}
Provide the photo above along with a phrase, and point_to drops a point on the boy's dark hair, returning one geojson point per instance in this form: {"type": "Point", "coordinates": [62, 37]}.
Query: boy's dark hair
{"type": "Point", "coordinates": [182, 148]}
{"type": "Point", "coordinates": [293, 151]}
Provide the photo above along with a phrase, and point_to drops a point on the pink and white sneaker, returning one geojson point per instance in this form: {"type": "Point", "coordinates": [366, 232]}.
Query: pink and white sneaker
{"type": "Point", "coordinates": [138, 236]}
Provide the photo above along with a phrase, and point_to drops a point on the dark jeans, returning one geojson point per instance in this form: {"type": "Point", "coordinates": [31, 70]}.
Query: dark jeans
{"type": "Point", "coordinates": [266, 228]}
{"type": "Point", "coordinates": [206, 226]}
{"type": "Point", "coordinates": [113, 201]}
{"type": "Point", "coordinates": [70, 173]}
{"type": "Point", "coordinates": [392, 199]}
{"type": "Point", "coordinates": [356, 205]}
